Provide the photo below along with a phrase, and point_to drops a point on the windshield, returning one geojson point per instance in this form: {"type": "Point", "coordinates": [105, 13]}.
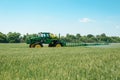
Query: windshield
{"type": "Point", "coordinates": [43, 35]}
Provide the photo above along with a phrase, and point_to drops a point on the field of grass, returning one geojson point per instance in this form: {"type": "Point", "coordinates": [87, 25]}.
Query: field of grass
{"type": "Point", "coordinates": [18, 62]}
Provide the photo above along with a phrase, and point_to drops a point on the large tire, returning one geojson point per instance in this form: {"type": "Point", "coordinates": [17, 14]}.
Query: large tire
{"type": "Point", "coordinates": [31, 45]}
{"type": "Point", "coordinates": [38, 46]}
{"type": "Point", "coordinates": [58, 45]}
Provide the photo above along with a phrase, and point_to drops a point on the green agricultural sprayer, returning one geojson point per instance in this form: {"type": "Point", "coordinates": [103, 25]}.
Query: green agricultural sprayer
{"type": "Point", "coordinates": [45, 38]}
{"type": "Point", "coordinates": [53, 41]}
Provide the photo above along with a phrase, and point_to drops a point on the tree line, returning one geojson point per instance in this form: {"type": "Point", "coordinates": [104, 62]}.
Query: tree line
{"type": "Point", "coordinates": [15, 37]}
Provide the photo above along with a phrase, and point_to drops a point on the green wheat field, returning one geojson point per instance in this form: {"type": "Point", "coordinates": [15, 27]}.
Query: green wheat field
{"type": "Point", "coordinates": [18, 62]}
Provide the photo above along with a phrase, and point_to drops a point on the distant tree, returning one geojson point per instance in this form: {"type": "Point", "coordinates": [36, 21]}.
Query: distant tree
{"type": "Point", "coordinates": [83, 39]}
{"type": "Point", "coordinates": [23, 38]}
{"type": "Point", "coordinates": [3, 38]}
{"type": "Point", "coordinates": [102, 38]}
{"type": "Point", "coordinates": [90, 36]}
{"type": "Point", "coordinates": [98, 37]}
{"type": "Point", "coordinates": [103, 35]}
{"type": "Point", "coordinates": [13, 37]}
{"type": "Point", "coordinates": [70, 38]}
{"type": "Point", "coordinates": [78, 36]}
{"type": "Point", "coordinates": [115, 39]}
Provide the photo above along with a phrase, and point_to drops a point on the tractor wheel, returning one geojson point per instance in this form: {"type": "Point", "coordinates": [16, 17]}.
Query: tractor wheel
{"type": "Point", "coordinates": [58, 45]}
{"type": "Point", "coordinates": [31, 45]}
{"type": "Point", "coordinates": [38, 45]}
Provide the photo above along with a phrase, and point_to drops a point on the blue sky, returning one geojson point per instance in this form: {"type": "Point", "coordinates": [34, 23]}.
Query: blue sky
{"type": "Point", "coordinates": [60, 16]}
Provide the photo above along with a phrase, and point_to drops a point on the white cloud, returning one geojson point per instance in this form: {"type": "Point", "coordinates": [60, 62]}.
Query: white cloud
{"type": "Point", "coordinates": [86, 20]}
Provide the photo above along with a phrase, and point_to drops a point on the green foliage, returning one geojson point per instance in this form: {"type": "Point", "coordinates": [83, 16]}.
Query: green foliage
{"type": "Point", "coordinates": [18, 62]}
{"type": "Point", "coordinates": [13, 37]}
{"type": "Point", "coordinates": [3, 38]}
{"type": "Point", "coordinates": [70, 38]}
{"type": "Point", "coordinates": [91, 38]}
